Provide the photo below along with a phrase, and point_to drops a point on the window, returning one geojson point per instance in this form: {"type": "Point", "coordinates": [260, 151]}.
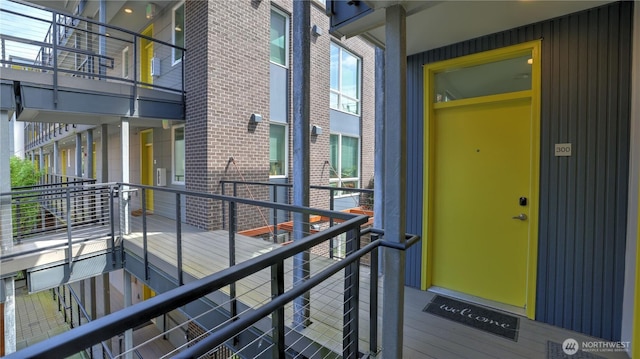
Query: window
{"type": "Point", "coordinates": [344, 158]}
{"type": "Point", "coordinates": [345, 80]}
{"type": "Point", "coordinates": [277, 150]}
{"type": "Point", "coordinates": [178, 32]}
{"type": "Point", "coordinates": [279, 39]}
{"type": "Point", "coordinates": [125, 63]}
{"type": "Point", "coordinates": [177, 138]}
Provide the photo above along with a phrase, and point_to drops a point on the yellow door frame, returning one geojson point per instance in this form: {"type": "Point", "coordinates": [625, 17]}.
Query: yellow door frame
{"type": "Point", "coordinates": [430, 70]}
{"type": "Point", "coordinates": [146, 165]}
{"type": "Point", "coordinates": [146, 46]}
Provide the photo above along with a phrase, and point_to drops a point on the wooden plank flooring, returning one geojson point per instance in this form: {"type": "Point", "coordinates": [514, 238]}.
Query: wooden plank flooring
{"type": "Point", "coordinates": [425, 335]}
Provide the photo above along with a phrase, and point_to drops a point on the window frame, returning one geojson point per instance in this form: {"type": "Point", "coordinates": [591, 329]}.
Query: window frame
{"type": "Point", "coordinates": [173, 154]}
{"type": "Point", "coordinates": [175, 61]}
{"type": "Point", "coordinates": [286, 149]}
{"type": "Point", "coordinates": [339, 91]}
{"type": "Point", "coordinates": [339, 180]}
{"type": "Point", "coordinates": [287, 30]}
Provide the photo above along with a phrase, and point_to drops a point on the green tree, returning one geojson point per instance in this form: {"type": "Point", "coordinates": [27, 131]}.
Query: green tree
{"type": "Point", "coordinates": [25, 208]}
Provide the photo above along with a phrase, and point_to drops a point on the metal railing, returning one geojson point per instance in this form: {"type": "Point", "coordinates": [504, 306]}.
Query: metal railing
{"type": "Point", "coordinates": [69, 45]}
{"type": "Point", "coordinates": [253, 294]}
{"type": "Point", "coordinates": [67, 299]}
{"type": "Point", "coordinates": [337, 198]}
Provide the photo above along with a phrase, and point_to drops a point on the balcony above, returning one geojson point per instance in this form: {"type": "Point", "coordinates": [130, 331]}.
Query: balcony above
{"type": "Point", "coordinates": [63, 68]}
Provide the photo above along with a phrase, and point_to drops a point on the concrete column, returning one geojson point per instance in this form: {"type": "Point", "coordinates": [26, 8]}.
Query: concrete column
{"type": "Point", "coordinates": [6, 232]}
{"type": "Point", "coordinates": [128, 335]}
{"type": "Point", "coordinates": [56, 158]}
{"type": "Point", "coordinates": [394, 178]}
{"type": "Point", "coordinates": [41, 158]}
{"type": "Point", "coordinates": [6, 225]}
{"type": "Point", "coordinates": [301, 135]}
{"type": "Point", "coordinates": [125, 220]}
{"type": "Point", "coordinates": [102, 39]}
{"type": "Point", "coordinates": [89, 151]}
{"type": "Point", "coordinates": [378, 173]}
{"type": "Point", "coordinates": [78, 155]}
{"type": "Point", "coordinates": [9, 316]}
{"type": "Point", "coordinates": [104, 153]}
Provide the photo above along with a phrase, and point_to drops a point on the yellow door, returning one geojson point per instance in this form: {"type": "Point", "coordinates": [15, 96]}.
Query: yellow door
{"type": "Point", "coordinates": [146, 165]}
{"type": "Point", "coordinates": [93, 170]}
{"type": "Point", "coordinates": [482, 182]}
{"type": "Point", "coordinates": [63, 165]}
{"type": "Point", "coordinates": [146, 54]}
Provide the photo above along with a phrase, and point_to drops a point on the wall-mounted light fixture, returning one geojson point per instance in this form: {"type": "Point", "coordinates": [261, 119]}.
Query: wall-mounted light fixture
{"type": "Point", "coordinates": [316, 130]}
{"type": "Point", "coordinates": [256, 118]}
{"type": "Point", "coordinates": [316, 30]}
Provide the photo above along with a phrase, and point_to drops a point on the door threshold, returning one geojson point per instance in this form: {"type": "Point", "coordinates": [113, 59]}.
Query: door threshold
{"type": "Point", "coordinates": [477, 300]}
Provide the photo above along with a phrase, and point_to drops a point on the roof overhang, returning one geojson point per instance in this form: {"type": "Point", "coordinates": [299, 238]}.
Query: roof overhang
{"type": "Point", "coordinates": [433, 24]}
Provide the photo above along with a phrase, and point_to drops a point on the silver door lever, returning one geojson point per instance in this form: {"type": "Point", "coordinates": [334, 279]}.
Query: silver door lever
{"type": "Point", "coordinates": [521, 217]}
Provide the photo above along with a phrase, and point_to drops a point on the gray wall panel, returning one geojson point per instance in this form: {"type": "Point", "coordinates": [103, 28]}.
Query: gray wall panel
{"type": "Point", "coordinates": [586, 63]}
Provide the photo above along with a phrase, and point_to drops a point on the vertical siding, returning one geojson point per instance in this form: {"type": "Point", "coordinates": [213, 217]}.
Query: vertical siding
{"type": "Point", "coordinates": [586, 63]}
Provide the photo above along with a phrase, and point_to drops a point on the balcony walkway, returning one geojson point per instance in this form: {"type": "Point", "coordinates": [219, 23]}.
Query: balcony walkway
{"type": "Point", "coordinates": [425, 335]}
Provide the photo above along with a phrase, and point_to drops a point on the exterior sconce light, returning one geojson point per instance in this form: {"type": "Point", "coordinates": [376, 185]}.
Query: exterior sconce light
{"type": "Point", "coordinates": [316, 130]}
{"type": "Point", "coordinates": [256, 118]}
{"type": "Point", "coordinates": [316, 30]}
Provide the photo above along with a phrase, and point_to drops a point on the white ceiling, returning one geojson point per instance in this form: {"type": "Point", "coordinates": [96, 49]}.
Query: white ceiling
{"type": "Point", "coordinates": [433, 24]}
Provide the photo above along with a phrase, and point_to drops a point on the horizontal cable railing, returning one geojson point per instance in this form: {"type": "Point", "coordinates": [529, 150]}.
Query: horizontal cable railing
{"type": "Point", "coordinates": [238, 295]}
{"type": "Point", "coordinates": [68, 45]}
{"type": "Point", "coordinates": [275, 224]}
{"type": "Point", "coordinates": [58, 215]}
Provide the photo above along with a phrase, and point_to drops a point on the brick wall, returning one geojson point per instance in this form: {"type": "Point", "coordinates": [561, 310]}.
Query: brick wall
{"type": "Point", "coordinates": [227, 79]}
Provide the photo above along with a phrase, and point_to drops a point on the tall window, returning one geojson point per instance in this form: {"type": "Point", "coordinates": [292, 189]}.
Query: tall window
{"type": "Point", "coordinates": [344, 159]}
{"type": "Point", "coordinates": [279, 38]}
{"type": "Point", "coordinates": [177, 139]}
{"type": "Point", "coordinates": [178, 31]}
{"type": "Point", "coordinates": [277, 150]}
{"type": "Point", "coordinates": [345, 80]}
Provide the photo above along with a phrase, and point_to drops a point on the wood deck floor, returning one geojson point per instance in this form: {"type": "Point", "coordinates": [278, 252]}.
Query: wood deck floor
{"type": "Point", "coordinates": [425, 335]}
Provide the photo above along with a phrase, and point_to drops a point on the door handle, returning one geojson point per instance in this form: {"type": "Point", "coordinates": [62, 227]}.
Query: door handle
{"type": "Point", "coordinates": [521, 217]}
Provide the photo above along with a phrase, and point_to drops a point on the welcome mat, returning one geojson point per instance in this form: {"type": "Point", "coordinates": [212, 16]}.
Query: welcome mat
{"type": "Point", "coordinates": [554, 351]}
{"type": "Point", "coordinates": [474, 316]}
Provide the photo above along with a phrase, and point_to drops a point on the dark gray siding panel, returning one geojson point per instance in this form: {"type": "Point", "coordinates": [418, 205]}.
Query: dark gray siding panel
{"type": "Point", "coordinates": [415, 168]}
{"type": "Point", "coordinates": [586, 63]}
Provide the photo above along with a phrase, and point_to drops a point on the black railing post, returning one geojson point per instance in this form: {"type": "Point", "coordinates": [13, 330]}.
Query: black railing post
{"type": "Point", "coordinates": [145, 245]}
{"type": "Point", "coordinates": [351, 298]}
{"type": "Point", "coordinates": [224, 218]}
{"type": "Point", "coordinates": [68, 218]}
{"type": "Point", "coordinates": [112, 218]}
{"type": "Point", "coordinates": [275, 214]}
{"type": "Point", "coordinates": [54, 43]}
{"type": "Point", "coordinates": [373, 298]}
{"type": "Point", "coordinates": [235, 215]}
{"type": "Point", "coordinates": [18, 231]}
{"type": "Point", "coordinates": [232, 261]}
{"type": "Point", "coordinates": [331, 204]}
{"type": "Point", "coordinates": [277, 318]}
{"type": "Point", "coordinates": [179, 239]}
